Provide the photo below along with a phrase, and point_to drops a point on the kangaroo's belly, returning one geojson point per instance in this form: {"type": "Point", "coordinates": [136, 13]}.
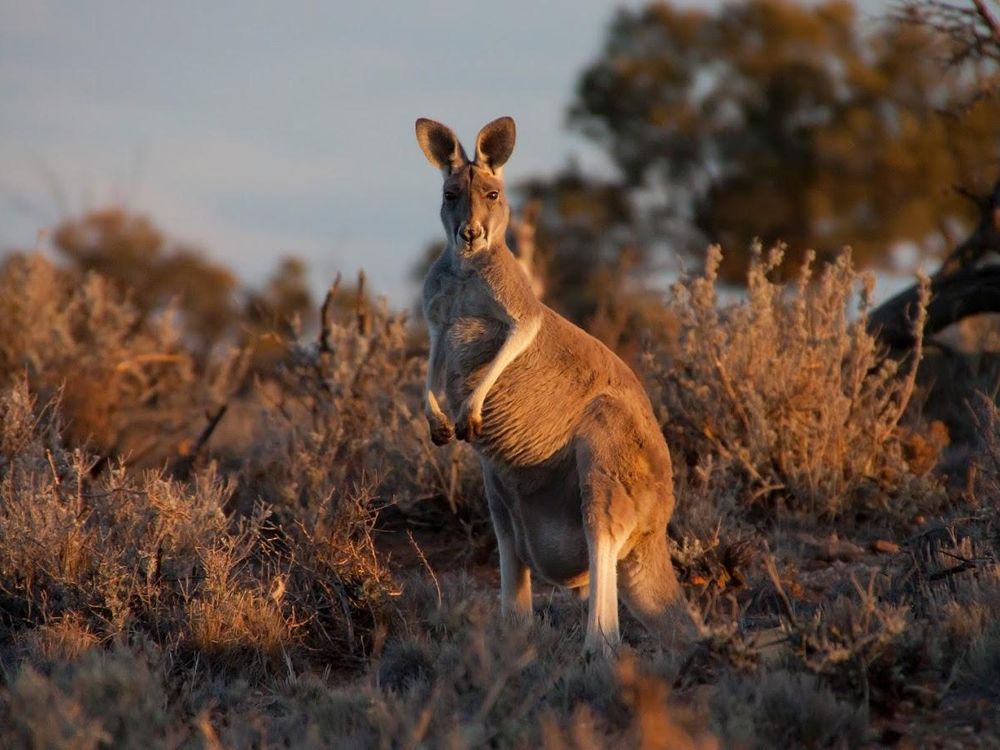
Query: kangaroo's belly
{"type": "Point", "coordinates": [544, 506]}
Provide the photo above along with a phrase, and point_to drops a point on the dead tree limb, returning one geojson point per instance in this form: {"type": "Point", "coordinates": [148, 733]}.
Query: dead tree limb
{"type": "Point", "coordinates": [959, 289]}
{"type": "Point", "coordinates": [181, 468]}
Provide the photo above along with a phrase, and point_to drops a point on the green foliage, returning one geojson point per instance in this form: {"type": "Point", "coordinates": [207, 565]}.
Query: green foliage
{"type": "Point", "coordinates": [792, 123]}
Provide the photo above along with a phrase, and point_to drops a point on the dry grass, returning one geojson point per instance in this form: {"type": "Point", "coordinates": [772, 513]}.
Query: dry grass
{"type": "Point", "coordinates": [303, 575]}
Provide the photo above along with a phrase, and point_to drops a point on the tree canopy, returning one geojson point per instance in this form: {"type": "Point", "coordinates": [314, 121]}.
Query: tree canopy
{"type": "Point", "coordinates": [156, 272]}
{"type": "Point", "coordinates": [791, 122]}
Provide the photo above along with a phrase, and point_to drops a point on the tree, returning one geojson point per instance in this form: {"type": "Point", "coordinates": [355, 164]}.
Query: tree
{"type": "Point", "coordinates": [966, 284]}
{"type": "Point", "coordinates": [155, 272]}
{"type": "Point", "coordinates": [275, 315]}
{"type": "Point", "coordinates": [285, 303]}
{"type": "Point", "coordinates": [788, 122]}
{"type": "Point", "coordinates": [128, 250]}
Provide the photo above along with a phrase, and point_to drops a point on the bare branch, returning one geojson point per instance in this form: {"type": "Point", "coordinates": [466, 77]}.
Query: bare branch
{"type": "Point", "coordinates": [184, 464]}
{"type": "Point", "coordinates": [988, 19]}
{"type": "Point", "coordinates": [972, 28]}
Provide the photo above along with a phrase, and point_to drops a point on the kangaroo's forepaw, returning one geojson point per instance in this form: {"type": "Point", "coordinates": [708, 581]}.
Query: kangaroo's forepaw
{"type": "Point", "coordinates": [442, 431]}
{"type": "Point", "coordinates": [469, 424]}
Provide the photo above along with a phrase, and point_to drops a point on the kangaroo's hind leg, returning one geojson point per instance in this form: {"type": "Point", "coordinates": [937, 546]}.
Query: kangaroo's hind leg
{"type": "Point", "coordinates": [515, 576]}
{"type": "Point", "coordinates": [652, 593]}
{"type": "Point", "coordinates": [608, 522]}
{"type": "Point", "coordinates": [606, 536]}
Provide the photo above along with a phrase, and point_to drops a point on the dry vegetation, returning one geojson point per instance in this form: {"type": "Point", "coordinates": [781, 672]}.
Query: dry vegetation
{"type": "Point", "coordinates": [312, 572]}
{"type": "Point", "coordinates": [791, 397]}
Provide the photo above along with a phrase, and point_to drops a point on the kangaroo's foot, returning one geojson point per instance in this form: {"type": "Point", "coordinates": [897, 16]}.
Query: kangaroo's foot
{"type": "Point", "coordinates": [601, 645]}
{"type": "Point", "coordinates": [469, 424]}
{"type": "Point", "coordinates": [655, 597]}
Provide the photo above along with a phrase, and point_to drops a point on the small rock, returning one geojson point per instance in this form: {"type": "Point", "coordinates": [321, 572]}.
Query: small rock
{"type": "Point", "coordinates": [884, 547]}
{"type": "Point", "coordinates": [839, 550]}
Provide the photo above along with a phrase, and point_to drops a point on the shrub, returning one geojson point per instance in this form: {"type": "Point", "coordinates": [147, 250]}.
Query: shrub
{"type": "Point", "coordinates": [113, 698]}
{"type": "Point", "coordinates": [96, 558]}
{"type": "Point", "coordinates": [785, 709]}
{"type": "Point", "coordinates": [788, 395]}
{"type": "Point", "coordinates": [346, 411]}
{"type": "Point", "coordinates": [127, 384]}
{"type": "Point", "coordinates": [257, 597]}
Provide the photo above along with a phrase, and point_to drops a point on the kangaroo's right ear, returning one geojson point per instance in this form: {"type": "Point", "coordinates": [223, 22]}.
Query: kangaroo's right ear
{"type": "Point", "coordinates": [495, 144]}
{"type": "Point", "coordinates": [440, 146]}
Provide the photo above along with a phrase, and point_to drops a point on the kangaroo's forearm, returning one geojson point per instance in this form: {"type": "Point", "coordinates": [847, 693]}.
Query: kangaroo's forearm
{"type": "Point", "coordinates": [521, 335]}
{"type": "Point", "coordinates": [435, 373]}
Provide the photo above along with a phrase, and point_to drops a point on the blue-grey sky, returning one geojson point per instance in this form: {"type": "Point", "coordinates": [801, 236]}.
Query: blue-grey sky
{"type": "Point", "coordinates": [260, 129]}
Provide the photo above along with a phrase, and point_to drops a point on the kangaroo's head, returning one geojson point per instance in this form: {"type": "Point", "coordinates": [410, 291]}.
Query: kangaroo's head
{"type": "Point", "coordinates": [474, 208]}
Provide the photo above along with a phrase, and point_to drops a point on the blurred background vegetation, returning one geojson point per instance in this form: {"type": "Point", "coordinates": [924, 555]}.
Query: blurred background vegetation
{"type": "Point", "coordinates": [767, 119]}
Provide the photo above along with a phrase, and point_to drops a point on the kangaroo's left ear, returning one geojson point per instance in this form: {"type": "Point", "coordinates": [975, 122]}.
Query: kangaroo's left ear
{"type": "Point", "coordinates": [440, 146]}
{"type": "Point", "coordinates": [494, 144]}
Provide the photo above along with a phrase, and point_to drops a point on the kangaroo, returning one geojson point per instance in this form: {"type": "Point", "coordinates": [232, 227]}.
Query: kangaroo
{"type": "Point", "coordinates": [577, 473]}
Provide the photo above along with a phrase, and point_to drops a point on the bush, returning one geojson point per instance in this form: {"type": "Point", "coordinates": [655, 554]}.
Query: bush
{"type": "Point", "coordinates": [786, 709]}
{"type": "Point", "coordinates": [254, 590]}
{"type": "Point", "coordinates": [127, 384]}
{"type": "Point", "coordinates": [102, 558]}
{"type": "Point", "coordinates": [789, 396]}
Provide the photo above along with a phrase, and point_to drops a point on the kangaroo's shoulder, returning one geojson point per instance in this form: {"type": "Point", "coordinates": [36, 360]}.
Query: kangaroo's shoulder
{"type": "Point", "coordinates": [560, 338]}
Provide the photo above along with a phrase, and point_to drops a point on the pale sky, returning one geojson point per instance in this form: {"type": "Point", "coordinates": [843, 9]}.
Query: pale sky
{"type": "Point", "coordinates": [257, 129]}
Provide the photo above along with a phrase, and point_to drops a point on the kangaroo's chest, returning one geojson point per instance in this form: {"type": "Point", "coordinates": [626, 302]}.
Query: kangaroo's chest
{"type": "Point", "coordinates": [472, 341]}
{"type": "Point", "coordinates": [465, 322]}
{"type": "Point", "coordinates": [530, 411]}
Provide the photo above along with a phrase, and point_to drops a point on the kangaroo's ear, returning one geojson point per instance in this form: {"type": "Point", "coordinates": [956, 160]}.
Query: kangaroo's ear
{"type": "Point", "coordinates": [495, 143]}
{"type": "Point", "coordinates": [440, 146]}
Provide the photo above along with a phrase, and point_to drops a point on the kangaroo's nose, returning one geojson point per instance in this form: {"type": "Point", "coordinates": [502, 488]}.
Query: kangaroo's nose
{"type": "Point", "coordinates": [471, 230]}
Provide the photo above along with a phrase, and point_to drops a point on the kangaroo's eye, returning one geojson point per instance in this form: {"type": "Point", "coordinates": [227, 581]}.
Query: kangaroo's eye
{"type": "Point", "coordinates": [493, 195]}
{"type": "Point", "coordinates": [449, 196]}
